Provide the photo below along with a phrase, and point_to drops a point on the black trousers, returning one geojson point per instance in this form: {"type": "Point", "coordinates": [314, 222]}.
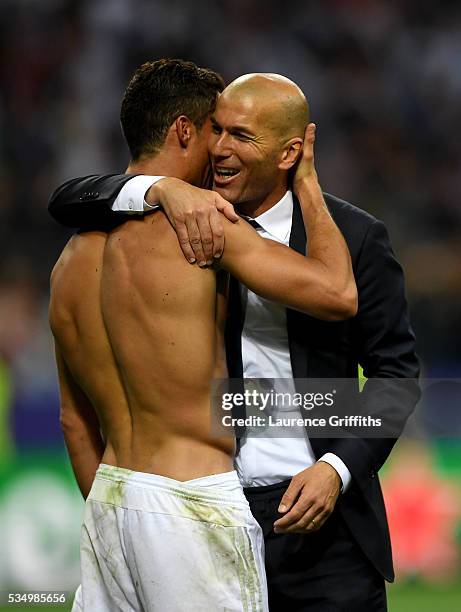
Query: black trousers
{"type": "Point", "coordinates": [324, 571]}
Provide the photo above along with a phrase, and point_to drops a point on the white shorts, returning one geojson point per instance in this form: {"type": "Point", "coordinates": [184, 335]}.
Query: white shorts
{"type": "Point", "coordinates": [151, 543]}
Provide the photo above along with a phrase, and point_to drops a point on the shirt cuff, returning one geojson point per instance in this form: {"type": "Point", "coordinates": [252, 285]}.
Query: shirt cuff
{"type": "Point", "coordinates": [131, 197]}
{"type": "Point", "coordinates": [339, 466]}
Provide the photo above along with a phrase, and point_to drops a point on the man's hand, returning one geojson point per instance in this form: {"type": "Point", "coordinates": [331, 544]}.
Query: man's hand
{"type": "Point", "coordinates": [305, 168]}
{"type": "Point", "coordinates": [309, 500]}
{"type": "Point", "coordinates": [194, 215]}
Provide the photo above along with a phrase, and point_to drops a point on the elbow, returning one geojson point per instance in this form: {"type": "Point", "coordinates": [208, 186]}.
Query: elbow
{"type": "Point", "coordinates": [344, 304]}
{"type": "Point", "coordinates": [347, 303]}
{"type": "Point", "coordinates": [69, 422]}
{"type": "Point", "coordinates": [67, 427]}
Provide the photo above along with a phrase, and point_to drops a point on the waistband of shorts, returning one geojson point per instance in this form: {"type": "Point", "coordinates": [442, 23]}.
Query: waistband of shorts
{"type": "Point", "coordinates": [222, 488]}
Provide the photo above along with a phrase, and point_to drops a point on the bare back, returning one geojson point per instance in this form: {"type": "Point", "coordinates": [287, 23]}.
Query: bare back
{"type": "Point", "coordinates": [138, 328]}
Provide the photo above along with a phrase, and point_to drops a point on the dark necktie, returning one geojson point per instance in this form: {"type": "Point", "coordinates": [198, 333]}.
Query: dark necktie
{"type": "Point", "coordinates": [252, 222]}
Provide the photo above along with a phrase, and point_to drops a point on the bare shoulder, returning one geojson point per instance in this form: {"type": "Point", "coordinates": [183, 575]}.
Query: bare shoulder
{"type": "Point", "coordinates": [75, 274]}
{"type": "Point", "coordinates": [80, 251]}
{"type": "Point", "coordinates": [140, 236]}
{"type": "Point", "coordinates": [145, 253]}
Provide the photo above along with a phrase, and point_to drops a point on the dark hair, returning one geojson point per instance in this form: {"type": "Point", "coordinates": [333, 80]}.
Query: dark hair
{"type": "Point", "coordinates": [158, 93]}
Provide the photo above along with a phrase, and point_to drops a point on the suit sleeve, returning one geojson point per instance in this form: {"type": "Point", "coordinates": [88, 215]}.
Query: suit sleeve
{"type": "Point", "coordinates": [85, 202]}
{"type": "Point", "coordinates": [385, 347]}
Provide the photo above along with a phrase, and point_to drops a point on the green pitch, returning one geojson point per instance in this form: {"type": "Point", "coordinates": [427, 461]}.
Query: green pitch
{"type": "Point", "coordinates": [420, 597]}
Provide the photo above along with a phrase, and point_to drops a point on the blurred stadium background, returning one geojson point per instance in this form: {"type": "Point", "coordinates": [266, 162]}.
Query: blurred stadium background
{"type": "Point", "coordinates": [384, 82]}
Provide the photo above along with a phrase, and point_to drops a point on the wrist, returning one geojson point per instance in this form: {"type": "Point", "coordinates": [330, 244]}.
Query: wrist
{"type": "Point", "coordinates": [331, 470]}
{"type": "Point", "coordinates": [307, 183]}
{"type": "Point", "coordinates": [156, 192]}
{"type": "Point", "coordinates": [153, 196]}
{"type": "Point", "coordinates": [310, 195]}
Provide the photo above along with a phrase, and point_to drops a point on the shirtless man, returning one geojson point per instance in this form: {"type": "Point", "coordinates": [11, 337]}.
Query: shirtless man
{"type": "Point", "coordinates": [167, 526]}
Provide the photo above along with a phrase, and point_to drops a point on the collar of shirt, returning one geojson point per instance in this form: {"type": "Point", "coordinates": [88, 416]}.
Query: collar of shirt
{"type": "Point", "coordinates": [277, 220]}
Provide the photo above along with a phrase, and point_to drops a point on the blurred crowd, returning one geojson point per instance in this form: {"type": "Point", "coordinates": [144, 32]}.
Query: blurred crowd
{"type": "Point", "coordinates": [383, 78]}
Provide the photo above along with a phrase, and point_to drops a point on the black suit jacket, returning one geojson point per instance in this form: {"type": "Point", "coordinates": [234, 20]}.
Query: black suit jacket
{"type": "Point", "coordinates": [379, 338]}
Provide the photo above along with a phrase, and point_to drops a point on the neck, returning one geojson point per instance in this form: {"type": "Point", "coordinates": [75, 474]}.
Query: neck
{"type": "Point", "coordinates": [258, 207]}
{"type": "Point", "coordinates": [159, 164]}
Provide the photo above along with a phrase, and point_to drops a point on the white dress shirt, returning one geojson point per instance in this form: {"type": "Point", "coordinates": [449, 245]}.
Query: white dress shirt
{"type": "Point", "coordinates": [265, 354]}
{"type": "Point", "coordinates": [131, 198]}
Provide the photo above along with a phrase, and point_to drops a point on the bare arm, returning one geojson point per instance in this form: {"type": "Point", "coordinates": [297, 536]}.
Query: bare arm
{"type": "Point", "coordinates": [326, 242]}
{"type": "Point", "coordinates": [320, 284]}
{"type": "Point", "coordinates": [80, 426]}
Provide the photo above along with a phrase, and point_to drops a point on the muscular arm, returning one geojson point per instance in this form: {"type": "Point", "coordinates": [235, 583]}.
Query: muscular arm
{"type": "Point", "coordinates": [80, 427]}
{"type": "Point", "coordinates": [321, 283]}
{"type": "Point", "coordinates": [278, 273]}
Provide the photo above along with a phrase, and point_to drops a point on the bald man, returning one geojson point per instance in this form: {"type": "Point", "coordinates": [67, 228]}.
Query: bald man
{"type": "Point", "coordinates": [256, 116]}
{"type": "Point", "coordinates": [318, 500]}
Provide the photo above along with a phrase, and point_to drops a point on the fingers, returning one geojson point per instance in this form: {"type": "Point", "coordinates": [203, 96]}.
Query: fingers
{"type": "Point", "coordinates": [201, 236]}
{"type": "Point", "coordinates": [206, 232]}
{"type": "Point", "coordinates": [306, 168]}
{"type": "Point", "coordinates": [309, 520]}
{"type": "Point", "coordinates": [290, 495]}
{"type": "Point", "coordinates": [306, 524]}
{"type": "Point", "coordinates": [309, 134]}
{"type": "Point", "coordinates": [194, 215]}
{"type": "Point", "coordinates": [309, 139]}
{"type": "Point", "coordinates": [206, 235]}
{"type": "Point", "coordinates": [218, 233]}
{"type": "Point", "coordinates": [295, 515]}
{"type": "Point", "coordinates": [309, 500]}
{"type": "Point", "coordinates": [226, 208]}
{"type": "Point", "coordinates": [183, 237]}
{"type": "Point", "coordinates": [195, 239]}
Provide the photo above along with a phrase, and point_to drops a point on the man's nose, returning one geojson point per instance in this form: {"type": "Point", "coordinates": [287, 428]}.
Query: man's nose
{"type": "Point", "coordinates": [221, 147]}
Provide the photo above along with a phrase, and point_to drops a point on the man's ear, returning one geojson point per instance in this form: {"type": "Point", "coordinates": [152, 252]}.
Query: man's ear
{"type": "Point", "coordinates": [291, 152]}
{"type": "Point", "coordinates": [184, 130]}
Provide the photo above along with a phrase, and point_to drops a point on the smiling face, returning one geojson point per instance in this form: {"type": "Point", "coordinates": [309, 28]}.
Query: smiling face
{"type": "Point", "coordinates": [256, 137]}
{"type": "Point", "coordinates": [245, 154]}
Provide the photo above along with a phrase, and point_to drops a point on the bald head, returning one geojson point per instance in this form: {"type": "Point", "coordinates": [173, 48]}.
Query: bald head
{"type": "Point", "coordinates": [258, 133]}
{"type": "Point", "coordinates": [277, 99]}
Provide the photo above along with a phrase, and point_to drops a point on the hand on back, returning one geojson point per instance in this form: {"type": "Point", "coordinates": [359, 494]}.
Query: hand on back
{"type": "Point", "coordinates": [194, 214]}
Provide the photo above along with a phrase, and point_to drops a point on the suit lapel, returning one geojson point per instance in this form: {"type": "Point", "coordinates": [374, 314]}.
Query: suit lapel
{"type": "Point", "coordinates": [234, 328]}
{"type": "Point", "coordinates": [296, 321]}
{"type": "Point", "coordinates": [298, 233]}
{"type": "Point", "coordinates": [302, 328]}
{"type": "Point", "coordinates": [233, 338]}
